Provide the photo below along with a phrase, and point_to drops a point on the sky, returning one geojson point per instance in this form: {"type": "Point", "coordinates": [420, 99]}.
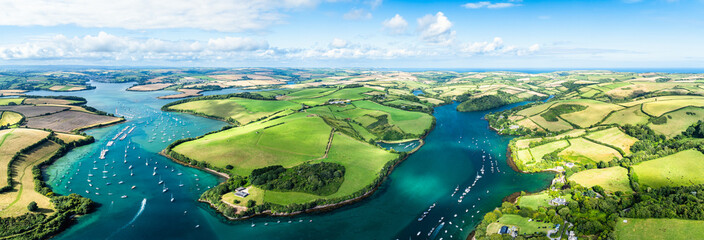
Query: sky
{"type": "Point", "coordinates": [501, 34]}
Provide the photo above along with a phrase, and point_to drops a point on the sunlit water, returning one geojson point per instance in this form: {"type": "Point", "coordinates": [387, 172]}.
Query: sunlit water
{"type": "Point", "coordinates": [452, 158]}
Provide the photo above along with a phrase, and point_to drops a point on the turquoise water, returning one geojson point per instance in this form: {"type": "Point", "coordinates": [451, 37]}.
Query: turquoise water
{"type": "Point", "coordinates": [401, 147]}
{"type": "Point", "coordinates": [452, 157]}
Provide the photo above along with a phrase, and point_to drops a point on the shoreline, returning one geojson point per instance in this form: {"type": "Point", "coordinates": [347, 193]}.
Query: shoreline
{"type": "Point", "coordinates": [320, 208]}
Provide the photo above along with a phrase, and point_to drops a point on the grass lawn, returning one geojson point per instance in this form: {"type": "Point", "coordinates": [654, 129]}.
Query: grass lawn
{"type": "Point", "coordinates": [25, 190]}
{"type": "Point", "coordinates": [241, 109]}
{"type": "Point", "coordinates": [523, 225]}
{"type": "Point", "coordinates": [9, 118]}
{"type": "Point", "coordinates": [631, 115]}
{"type": "Point", "coordinates": [679, 122]}
{"type": "Point", "coordinates": [583, 151]}
{"type": "Point", "coordinates": [611, 179]}
{"type": "Point", "coordinates": [679, 169]}
{"type": "Point", "coordinates": [255, 194]}
{"type": "Point", "coordinates": [11, 142]}
{"type": "Point", "coordinates": [660, 107]}
{"type": "Point", "coordinates": [659, 228]}
{"type": "Point", "coordinates": [297, 139]}
{"type": "Point", "coordinates": [363, 163]}
{"type": "Point", "coordinates": [614, 137]}
{"type": "Point", "coordinates": [5, 101]}
{"type": "Point", "coordinates": [534, 201]}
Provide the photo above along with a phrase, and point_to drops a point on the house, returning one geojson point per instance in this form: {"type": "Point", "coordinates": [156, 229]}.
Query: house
{"type": "Point", "coordinates": [558, 201]}
{"type": "Point", "coordinates": [242, 194]}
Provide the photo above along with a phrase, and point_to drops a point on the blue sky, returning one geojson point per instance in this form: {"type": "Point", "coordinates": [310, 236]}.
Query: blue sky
{"type": "Point", "coordinates": [347, 33]}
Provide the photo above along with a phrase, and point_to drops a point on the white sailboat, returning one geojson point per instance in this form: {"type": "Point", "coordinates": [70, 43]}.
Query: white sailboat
{"type": "Point", "coordinates": [172, 197]}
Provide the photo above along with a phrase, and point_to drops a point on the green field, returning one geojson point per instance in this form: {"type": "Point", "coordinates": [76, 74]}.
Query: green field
{"type": "Point", "coordinates": [534, 201]}
{"type": "Point", "coordinates": [343, 94]}
{"type": "Point", "coordinates": [363, 163]}
{"type": "Point", "coordinates": [559, 125]}
{"type": "Point", "coordinates": [680, 121]}
{"type": "Point", "coordinates": [5, 101]}
{"type": "Point", "coordinates": [286, 141]}
{"type": "Point", "coordinates": [585, 151]}
{"type": "Point", "coordinates": [523, 225]}
{"type": "Point", "coordinates": [9, 118]}
{"type": "Point", "coordinates": [679, 169]}
{"type": "Point", "coordinates": [615, 138]}
{"type": "Point", "coordinates": [658, 108]}
{"type": "Point", "coordinates": [656, 229]}
{"type": "Point", "coordinates": [595, 112]}
{"type": "Point", "coordinates": [409, 122]}
{"type": "Point", "coordinates": [611, 179]}
{"type": "Point", "coordinates": [241, 109]}
{"type": "Point", "coordinates": [540, 151]}
{"type": "Point", "coordinates": [631, 115]}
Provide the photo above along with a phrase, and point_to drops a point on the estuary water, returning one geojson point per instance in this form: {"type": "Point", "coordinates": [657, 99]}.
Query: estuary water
{"type": "Point", "coordinates": [454, 154]}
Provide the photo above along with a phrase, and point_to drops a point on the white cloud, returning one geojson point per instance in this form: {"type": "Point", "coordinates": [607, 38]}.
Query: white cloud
{"type": "Point", "coordinates": [436, 29]}
{"type": "Point", "coordinates": [375, 3]}
{"type": "Point", "coordinates": [108, 46]}
{"type": "Point", "coordinates": [395, 25]}
{"type": "Point", "coordinates": [496, 47]}
{"type": "Point", "coordinates": [219, 15]}
{"type": "Point", "coordinates": [488, 4]}
{"type": "Point", "coordinates": [338, 43]}
{"type": "Point", "coordinates": [357, 14]}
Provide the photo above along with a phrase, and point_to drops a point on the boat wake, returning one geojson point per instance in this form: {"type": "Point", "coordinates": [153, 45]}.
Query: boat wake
{"type": "Point", "coordinates": [141, 209]}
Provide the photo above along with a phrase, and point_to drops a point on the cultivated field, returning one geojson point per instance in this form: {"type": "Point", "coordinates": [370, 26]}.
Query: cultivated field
{"type": "Point", "coordinates": [6, 101]}
{"type": "Point", "coordinates": [67, 121]}
{"type": "Point", "coordinates": [680, 169]}
{"type": "Point", "coordinates": [559, 125]}
{"type": "Point", "coordinates": [22, 174]}
{"type": "Point", "coordinates": [631, 115]}
{"type": "Point", "coordinates": [33, 111]}
{"type": "Point", "coordinates": [342, 94]}
{"type": "Point", "coordinates": [150, 87]}
{"type": "Point", "coordinates": [184, 94]}
{"type": "Point", "coordinates": [660, 107]}
{"type": "Point", "coordinates": [9, 118]}
{"type": "Point", "coordinates": [595, 112]}
{"type": "Point", "coordinates": [615, 138]}
{"type": "Point", "coordinates": [584, 151]}
{"type": "Point", "coordinates": [64, 88]}
{"type": "Point", "coordinates": [241, 109]}
{"type": "Point", "coordinates": [611, 179]}
{"type": "Point", "coordinates": [35, 101]}
{"type": "Point", "coordinates": [11, 142]}
{"type": "Point", "coordinates": [659, 229]}
{"type": "Point", "coordinates": [678, 121]}
{"type": "Point", "coordinates": [69, 138]}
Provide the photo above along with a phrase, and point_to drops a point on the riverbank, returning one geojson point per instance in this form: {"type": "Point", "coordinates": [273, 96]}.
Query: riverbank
{"type": "Point", "coordinates": [319, 208]}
